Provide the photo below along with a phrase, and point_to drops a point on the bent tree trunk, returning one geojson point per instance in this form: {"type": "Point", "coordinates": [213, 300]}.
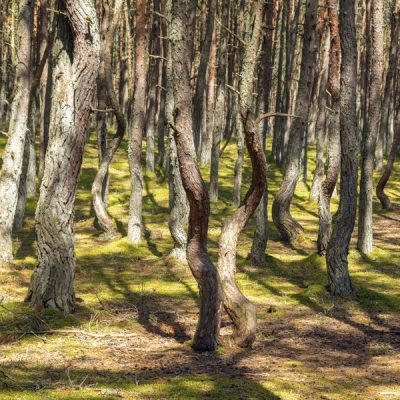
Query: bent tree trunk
{"type": "Point", "coordinates": [380, 189]}
{"type": "Point", "coordinates": [138, 125]}
{"type": "Point", "coordinates": [203, 269]}
{"type": "Point", "coordinates": [239, 308]}
{"type": "Point", "coordinates": [336, 257]}
{"type": "Point", "coordinates": [104, 220]}
{"type": "Point", "coordinates": [333, 145]}
{"type": "Point", "coordinates": [76, 53]}
{"type": "Point", "coordinates": [370, 132]}
{"type": "Point", "coordinates": [287, 226]}
{"type": "Point", "coordinates": [14, 152]}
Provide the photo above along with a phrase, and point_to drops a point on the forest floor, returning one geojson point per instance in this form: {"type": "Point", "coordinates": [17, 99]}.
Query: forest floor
{"type": "Point", "coordinates": [137, 310]}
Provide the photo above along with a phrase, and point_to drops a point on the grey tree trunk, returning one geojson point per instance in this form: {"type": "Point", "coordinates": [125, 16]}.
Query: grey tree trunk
{"type": "Point", "coordinates": [204, 271]}
{"type": "Point", "coordinates": [138, 125]}
{"type": "Point", "coordinates": [371, 128]}
{"type": "Point", "coordinates": [287, 226]}
{"type": "Point", "coordinates": [76, 53]}
{"type": "Point", "coordinates": [14, 152]}
{"type": "Point", "coordinates": [339, 282]}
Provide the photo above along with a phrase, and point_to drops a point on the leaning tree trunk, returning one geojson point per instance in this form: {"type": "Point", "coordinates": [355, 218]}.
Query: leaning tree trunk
{"type": "Point", "coordinates": [370, 132]}
{"type": "Point", "coordinates": [380, 189]}
{"type": "Point", "coordinates": [138, 125]}
{"type": "Point", "coordinates": [14, 152]}
{"type": "Point", "coordinates": [203, 269]}
{"type": "Point", "coordinates": [104, 220]}
{"type": "Point", "coordinates": [76, 53]}
{"type": "Point", "coordinates": [288, 227]}
{"type": "Point", "coordinates": [337, 253]}
{"type": "Point", "coordinates": [333, 145]}
{"type": "Point", "coordinates": [239, 308]}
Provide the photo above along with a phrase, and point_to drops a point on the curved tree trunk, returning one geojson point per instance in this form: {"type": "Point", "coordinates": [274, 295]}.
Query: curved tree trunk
{"type": "Point", "coordinates": [76, 53]}
{"type": "Point", "coordinates": [288, 227]}
{"type": "Point", "coordinates": [337, 253]}
{"type": "Point", "coordinates": [14, 152]}
{"type": "Point", "coordinates": [380, 189]}
{"type": "Point", "coordinates": [109, 25]}
{"type": "Point", "coordinates": [333, 145]}
{"type": "Point", "coordinates": [370, 132]}
{"type": "Point", "coordinates": [240, 309]}
{"type": "Point", "coordinates": [138, 124]}
{"type": "Point", "coordinates": [206, 336]}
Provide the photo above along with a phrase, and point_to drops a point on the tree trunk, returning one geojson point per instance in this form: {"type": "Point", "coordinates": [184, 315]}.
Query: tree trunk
{"type": "Point", "coordinates": [380, 189]}
{"type": "Point", "coordinates": [333, 145]}
{"type": "Point", "coordinates": [76, 53]}
{"type": "Point", "coordinates": [337, 253]}
{"type": "Point", "coordinates": [198, 99]}
{"type": "Point", "coordinates": [370, 132]}
{"type": "Point", "coordinates": [288, 227]}
{"type": "Point", "coordinates": [320, 127]}
{"type": "Point", "coordinates": [14, 152]}
{"type": "Point", "coordinates": [138, 124]}
{"type": "Point", "coordinates": [239, 308]}
{"type": "Point", "coordinates": [204, 271]}
{"type": "Point", "coordinates": [109, 25]}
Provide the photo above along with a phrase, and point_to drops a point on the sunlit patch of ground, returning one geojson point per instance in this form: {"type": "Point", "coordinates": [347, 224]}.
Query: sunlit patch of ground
{"type": "Point", "coordinates": [137, 310]}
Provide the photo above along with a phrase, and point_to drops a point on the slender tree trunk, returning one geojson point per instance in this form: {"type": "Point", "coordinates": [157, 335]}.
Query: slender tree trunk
{"type": "Point", "coordinates": [333, 143]}
{"type": "Point", "coordinates": [76, 53]}
{"type": "Point", "coordinates": [110, 22]}
{"type": "Point", "coordinates": [198, 99]}
{"type": "Point", "coordinates": [204, 271]}
{"type": "Point", "coordinates": [14, 152]}
{"type": "Point", "coordinates": [320, 127]}
{"type": "Point", "coordinates": [136, 132]}
{"type": "Point", "coordinates": [370, 132]}
{"type": "Point", "coordinates": [380, 189]}
{"type": "Point", "coordinates": [288, 227]}
{"type": "Point", "coordinates": [337, 253]}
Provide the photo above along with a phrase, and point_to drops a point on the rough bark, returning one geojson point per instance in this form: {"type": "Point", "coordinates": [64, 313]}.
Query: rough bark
{"type": "Point", "coordinates": [339, 282]}
{"type": "Point", "coordinates": [76, 53]}
{"type": "Point", "coordinates": [104, 220]}
{"type": "Point", "coordinates": [287, 226]}
{"type": "Point", "coordinates": [371, 128]}
{"type": "Point", "coordinates": [138, 124]}
{"type": "Point", "coordinates": [206, 336]}
{"type": "Point", "coordinates": [241, 311]}
{"type": "Point", "coordinates": [14, 151]}
{"type": "Point", "coordinates": [333, 142]}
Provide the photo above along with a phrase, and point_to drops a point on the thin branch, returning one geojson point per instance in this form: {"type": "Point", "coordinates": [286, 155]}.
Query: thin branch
{"type": "Point", "coordinates": [230, 31]}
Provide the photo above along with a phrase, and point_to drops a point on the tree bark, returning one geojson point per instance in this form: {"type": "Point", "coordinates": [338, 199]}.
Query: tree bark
{"type": "Point", "coordinates": [138, 124]}
{"type": "Point", "coordinates": [370, 132]}
{"type": "Point", "coordinates": [287, 226]}
{"type": "Point", "coordinates": [110, 22]}
{"type": "Point", "coordinates": [76, 53]}
{"type": "Point", "coordinates": [339, 282]}
{"type": "Point", "coordinates": [239, 308]}
{"type": "Point", "coordinates": [14, 152]}
{"type": "Point", "coordinates": [206, 336]}
{"type": "Point", "coordinates": [333, 145]}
